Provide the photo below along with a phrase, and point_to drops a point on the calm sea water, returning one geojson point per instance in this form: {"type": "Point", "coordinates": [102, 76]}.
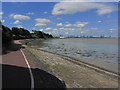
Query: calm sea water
{"type": "Point", "coordinates": [102, 52]}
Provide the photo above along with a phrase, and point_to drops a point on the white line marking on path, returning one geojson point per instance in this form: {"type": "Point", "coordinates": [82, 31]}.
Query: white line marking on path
{"type": "Point", "coordinates": [31, 75]}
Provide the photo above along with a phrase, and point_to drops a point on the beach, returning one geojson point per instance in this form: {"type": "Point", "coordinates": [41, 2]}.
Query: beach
{"type": "Point", "coordinates": [73, 74]}
{"type": "Point", "coordinates": [101, 52]}
{"type": "Point", "coordinates": [60, 44]}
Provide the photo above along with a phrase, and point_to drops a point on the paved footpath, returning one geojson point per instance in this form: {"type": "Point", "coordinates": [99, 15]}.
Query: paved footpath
{"type": "Point", "coordinates": [15, 71]}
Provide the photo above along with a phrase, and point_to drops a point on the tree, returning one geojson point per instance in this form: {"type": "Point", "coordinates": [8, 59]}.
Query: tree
{"type": "Point", "coordinates": [6, 36]}
{"type": "Point", "coordinates": [20, 33]}
{"type": "Point", "coordinates": [25, 33]}
{"type": "Point", "coordinates": [39, 34]}
{"type": "Point", "coordinates": [16, 31]}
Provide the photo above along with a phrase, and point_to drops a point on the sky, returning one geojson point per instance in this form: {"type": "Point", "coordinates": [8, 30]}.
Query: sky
{"type": "Point", "coordinates": [63, 18]}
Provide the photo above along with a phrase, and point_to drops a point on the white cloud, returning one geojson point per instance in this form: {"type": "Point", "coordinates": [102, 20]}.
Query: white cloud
{"type": "Point", "coordinates": [74, 7]}
{"type": "Point", "coordinates": [30, 13]}
{"type": "Point", "coordinates": [19, 17]}
{"type": "Point", "coordinates": [40, 24]}
{"type": "Point", "coordinates": [61, 28]}
{"type": "Point", "coordinates": [67, 29]}
{"type": "Point", "coordinates": [1, 13]}
{"type": "Point", "coordinates": [112, 30]}
{"type": "Point", "coordinates": [17, 22]}
{"type": "Point", "coordinates": [11, 15]}
{"type": "Point", "coordinates": [41, 29]}
{"type": "Point", "coordinates": [48, 28]}
{"type": "Point", "coordinates": [42, 20]}
{"type": "Point", "coordinates": [19, 26]}
{"type": "Point", "coordinates": [81, 24]}
{"type": "Point", "coordinates": [59, 24]}
{"type": "Point", "coordinates": [45, 12]}
{"type": "Point", "coordinates": [82, 31]}
{"type": "Point", "coordinates": [55, 29]}
{"type": "Point", "coordinates": [66, 33]}
{"type": "Point", "coordinates": [2, 21]}
{"type": "Point", "coordinates": [77, 24]}
{"type": "Point", "coordinates": [74, 31]}
{"type": "Point", "coordinates": [49, 32]}
{"type": "Point", "coordinates": [68, 25]}
{"type": "Point", "coordinates": [92, 29]}
{"type": "Point", "coordinates": [99, 21]}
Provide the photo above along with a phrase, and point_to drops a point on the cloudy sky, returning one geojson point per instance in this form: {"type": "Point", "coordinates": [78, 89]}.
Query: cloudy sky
{"type": "Point", "coordinates": [63, 18]}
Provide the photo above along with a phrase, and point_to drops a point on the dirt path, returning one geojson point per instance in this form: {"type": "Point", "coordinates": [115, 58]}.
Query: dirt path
{"type": "Point", "coordinates": [16, 73]}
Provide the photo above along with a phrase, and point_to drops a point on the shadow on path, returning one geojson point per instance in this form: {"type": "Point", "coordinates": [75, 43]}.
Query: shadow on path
{"type": "Point", "coordinates": [12, 47]}
{"type": "Point", "coordinates": [19, 77]}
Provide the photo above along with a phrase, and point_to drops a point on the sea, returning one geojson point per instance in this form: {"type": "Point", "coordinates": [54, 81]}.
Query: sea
{"type": "Point", "coordinates": [102, 52]}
